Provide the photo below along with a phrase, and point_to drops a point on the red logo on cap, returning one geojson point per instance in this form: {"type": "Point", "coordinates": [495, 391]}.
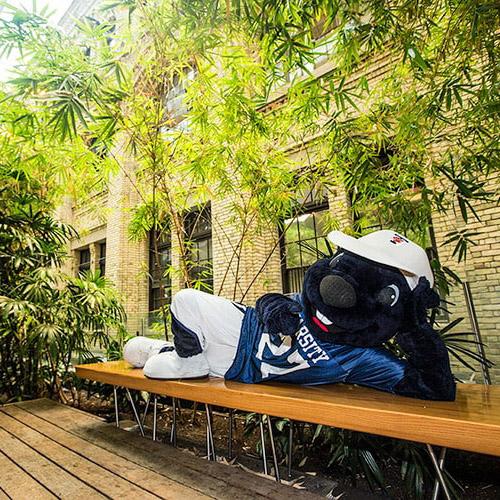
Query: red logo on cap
{"type": "Point", "coordinates": [397, 239]}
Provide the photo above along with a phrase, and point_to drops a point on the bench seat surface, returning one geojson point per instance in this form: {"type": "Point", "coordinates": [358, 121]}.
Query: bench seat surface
{"type": "Point", "coordinates": [472, 422]}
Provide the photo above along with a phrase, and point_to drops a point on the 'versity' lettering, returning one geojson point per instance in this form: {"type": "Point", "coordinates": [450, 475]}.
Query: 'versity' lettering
{"type": "Point", "coordinates": [322, 357]}
{"type": "Point", "coordinates": [310, 346]}
{"type": "Point", "coordinates": [305, 339]}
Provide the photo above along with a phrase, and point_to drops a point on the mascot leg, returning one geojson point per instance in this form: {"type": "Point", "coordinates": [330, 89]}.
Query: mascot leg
{"type": "Point", "coordinates": [206, 332]}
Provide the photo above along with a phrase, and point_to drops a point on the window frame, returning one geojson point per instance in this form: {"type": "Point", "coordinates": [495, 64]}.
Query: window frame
{"type": "Point", "coordinates": [195, 237]}
{"type": "Point", "coordinates": [101, 261]}
{"type": "Point", "coordinates": [84, 266]}
{"type": "Point", "coordinates": [310, 207]}
{"type": "Point", "coordinates": [157, 280]}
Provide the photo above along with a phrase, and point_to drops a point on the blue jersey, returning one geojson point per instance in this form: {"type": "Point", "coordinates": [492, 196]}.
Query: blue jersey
{"type": "Point", "coordinates": [302, 359]}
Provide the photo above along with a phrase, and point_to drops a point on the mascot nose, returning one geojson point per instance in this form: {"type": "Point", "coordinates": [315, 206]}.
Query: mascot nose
{"type": "Point", "coordinates": [337, 292]}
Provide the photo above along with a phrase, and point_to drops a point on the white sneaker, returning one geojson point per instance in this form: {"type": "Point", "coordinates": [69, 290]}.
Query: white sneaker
{"type": "Point", "coordinates": [139, 349]}
{"type": "Point", "coordinates": [169, 365]}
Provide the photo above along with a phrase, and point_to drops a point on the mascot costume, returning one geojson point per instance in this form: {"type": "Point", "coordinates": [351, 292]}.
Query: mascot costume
{"type": "Point", "coordinates": [374, 288]}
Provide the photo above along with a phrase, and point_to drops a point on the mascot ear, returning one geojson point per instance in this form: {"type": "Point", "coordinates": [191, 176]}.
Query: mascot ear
{"type": "Point", "coordinates": [423, 297]}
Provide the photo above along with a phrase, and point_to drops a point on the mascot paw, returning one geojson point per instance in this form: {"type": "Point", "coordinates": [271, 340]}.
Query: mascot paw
{"type": "Point", "coordinates": [169, 365]}
{"type": "Point", "coordinates": [423, 298]}
{"type": "Point", "coordinates": [279, 314]}
{"type": "Point", "coordinates": [139, 349]}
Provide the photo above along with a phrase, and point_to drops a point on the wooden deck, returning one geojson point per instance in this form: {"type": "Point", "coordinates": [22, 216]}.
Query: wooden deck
{"type": "Point", "coordinates": [48, 450]}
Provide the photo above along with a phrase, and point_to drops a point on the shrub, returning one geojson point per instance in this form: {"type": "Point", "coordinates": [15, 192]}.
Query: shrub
{"type": "Point", "coordinates": [47, 319]}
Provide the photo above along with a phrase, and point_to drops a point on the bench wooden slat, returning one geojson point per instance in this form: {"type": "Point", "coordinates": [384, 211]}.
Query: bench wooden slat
{"type": "Point", "coordinates": [214, 479]}
{"type": "Point", "coordinates": [114, 467]}
{"type": "Point", "coordinates": [472, 422]}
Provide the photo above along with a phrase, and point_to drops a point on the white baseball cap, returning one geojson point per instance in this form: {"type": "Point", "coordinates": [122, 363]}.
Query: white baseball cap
{"type": "Point", "coordinates": [389, 248]}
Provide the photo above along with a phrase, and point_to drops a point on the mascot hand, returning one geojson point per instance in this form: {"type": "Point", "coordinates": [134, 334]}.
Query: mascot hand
{"type": "Point", "coordinates": [422, 298]}
{"type": "Point", "coordinates": [279, 314]}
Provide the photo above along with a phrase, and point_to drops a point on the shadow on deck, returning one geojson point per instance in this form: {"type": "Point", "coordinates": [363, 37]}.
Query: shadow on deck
{"type": "Point", "coordinates": [48, 450]}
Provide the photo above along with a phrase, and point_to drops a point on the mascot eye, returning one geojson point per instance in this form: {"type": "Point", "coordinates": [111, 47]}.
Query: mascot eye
{"type": "Point", "coordinates": [388, 295]}
{"type": "Point", "coordinates": [334, 261]}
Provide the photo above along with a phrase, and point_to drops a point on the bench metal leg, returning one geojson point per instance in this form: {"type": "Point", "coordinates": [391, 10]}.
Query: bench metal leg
{"type": "Point", "coordinates": [173, 431]}
{"type": "Point", "coordinates": [115, 397]}
{"type": "Point", "coordinates": [290, 449]}
{"type": "Point", "coordinates": [230, 435]}
{"type": "Point", "coordinates": [155, 411]}
{"type": "Point", "coordinates": [210, 436]}
{"type": "Point", "coordinates": [146, 411]}
{"type": "Point", "coordinates": [263, 443]}
{"type": "Point", "coordinates": [273, 448]}
{"type": "Point", "coordinates": [439, 471]}
{"type": "Point", "coordinates": [136, 415]}
{"type": "Point", "coordinates": [442, 457]}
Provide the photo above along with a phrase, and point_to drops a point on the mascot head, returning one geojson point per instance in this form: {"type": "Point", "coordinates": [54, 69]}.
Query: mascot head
{"type": "Point", "coordinates": [362, 295]}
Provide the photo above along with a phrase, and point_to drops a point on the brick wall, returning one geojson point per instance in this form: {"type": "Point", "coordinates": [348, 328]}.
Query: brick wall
{"type": "Point", "coordinates": [127, 260]}
{"type": "Point", "coordinates": [482, 270]}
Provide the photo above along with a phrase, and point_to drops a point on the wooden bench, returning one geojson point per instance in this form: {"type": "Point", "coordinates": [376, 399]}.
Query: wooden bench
{"type": "Point", "coordinates": [471, 423]}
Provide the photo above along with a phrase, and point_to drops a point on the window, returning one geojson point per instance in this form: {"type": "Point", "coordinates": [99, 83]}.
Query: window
{"type": "Point", "coordinates": [198, 228]}
{"type": "Point", "coordinates": [160, 259]}
{"type": "Point", "coordinates": [102, 258]}
{"type": "Point", "coordinates": [83, 260]}
{"type": "Point", "coordinates": [303, 241]}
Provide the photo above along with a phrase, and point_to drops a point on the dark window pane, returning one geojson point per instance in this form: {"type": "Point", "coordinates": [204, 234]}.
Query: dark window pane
{"type": "Point", "coordinates": [309, 254]}
{"type": "Point", "coordinates": [84, 256]}
{"type": "Point", "coordinates": [306, 226]}
{"type": "Point", "coordinates": [291, 230]}
{"type": "Point", "coordinates": [198, 223]}
{"type": "Point", "coordinates": [102, 258]}
{"type": "Point", "coordinates": [84, 260]}
{"type": "Point", "coordinates": [198, 228]}
{"type": "Point", "coordinates": [321, 246]}
{"type": "Point", "coordinates": [160, 260]}
{"type": "Point", "coordinates": [203, 253]}
{"type": "Point", "coordinates": [292, 255]}
{"type": "Point", "coordinates": [304, 243]}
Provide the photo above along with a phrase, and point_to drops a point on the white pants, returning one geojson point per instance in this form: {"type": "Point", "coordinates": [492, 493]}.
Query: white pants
{"type": "Point", "coordinates": [217, 323]}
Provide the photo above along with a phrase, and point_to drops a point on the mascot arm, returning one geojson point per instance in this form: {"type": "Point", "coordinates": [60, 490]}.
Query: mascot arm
{"type": "Point", "coordinates": [428, 374]}
{"type": "Point", "coordinates": [279, 314]}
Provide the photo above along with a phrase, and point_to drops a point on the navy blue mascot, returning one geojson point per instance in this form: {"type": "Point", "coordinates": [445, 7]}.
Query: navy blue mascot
{"type": "Point", "coordinates": [373, 289]}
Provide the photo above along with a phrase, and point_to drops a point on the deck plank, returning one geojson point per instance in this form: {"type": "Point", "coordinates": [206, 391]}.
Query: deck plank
{"type": "Point", "coordinates": [148, 480]}
{"type": "Point", "coordinates": [18, 484]}
{"type": "Point", "coordinates": [86, 471]}
{"type": "Point", "coordinates": [214, 479]}
{"type": "Point", "coordinates": [4, 496]}
{"type": "Point", "coordinates": [54, 478]}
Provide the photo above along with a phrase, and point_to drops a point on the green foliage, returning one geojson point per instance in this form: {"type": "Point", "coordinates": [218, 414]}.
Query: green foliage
{"type": "Point", "coordinates": [421, 138]}
{"type": "Point", "coordinates": [46, 319]}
